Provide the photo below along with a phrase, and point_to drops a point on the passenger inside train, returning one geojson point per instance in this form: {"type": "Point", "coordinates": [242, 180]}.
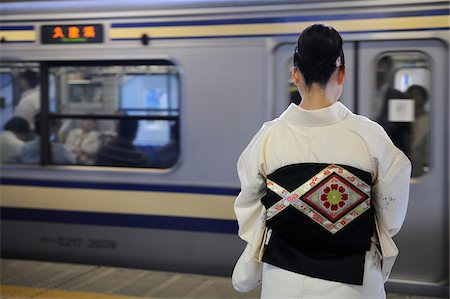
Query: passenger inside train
{"type": "Point", "coordinates": [400, 132]}
{"type": "Point", "coordinates": [31, 151]}
{"type": "Point", "coordinates": [30, 101]}
{"type": "Point", "coordinates": [15, 134]}
{"type": "Point", "coordinates": [419, 144]}
{"type": "Point", "coordinates": [121, 151]}
{"type": "Point", "coordinates": [84, 142]}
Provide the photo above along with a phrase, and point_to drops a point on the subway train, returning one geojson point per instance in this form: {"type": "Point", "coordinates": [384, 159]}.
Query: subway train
{"type": "Point", "coordinates": [193, 81]}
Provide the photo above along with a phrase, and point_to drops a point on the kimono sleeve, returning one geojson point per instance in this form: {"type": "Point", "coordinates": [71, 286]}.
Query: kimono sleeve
{"type": "Point", "coordinates": [250, 213]}
{"type": "Point", "coordinates": [391, 191]}
{"type": "Point", "coordinates": [251, 168]}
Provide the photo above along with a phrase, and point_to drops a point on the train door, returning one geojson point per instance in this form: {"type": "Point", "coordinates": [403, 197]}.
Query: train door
{"type": "Point", "coordinates": [285, 91]}
{"type": "Point", "coordinates": [403, 87]}
{"type": "Point", "coordinates": [19, 102]}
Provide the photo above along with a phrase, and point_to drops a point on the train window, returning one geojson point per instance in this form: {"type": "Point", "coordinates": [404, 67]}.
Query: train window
{"type": "Point", "coordinates": [6, 98]}
{"type": "Point", "coordinates": [402, 102]}
{"type": "Point", "coordinates": [19, 103]}
{"type": "Point", "coordinates": [115, 113]}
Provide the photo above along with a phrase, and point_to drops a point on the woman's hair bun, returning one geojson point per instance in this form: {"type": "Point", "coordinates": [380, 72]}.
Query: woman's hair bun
{"type": "Point", "coordinates": [318, 53]}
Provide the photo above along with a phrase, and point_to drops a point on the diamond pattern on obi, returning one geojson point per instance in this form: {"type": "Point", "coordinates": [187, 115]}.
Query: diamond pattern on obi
{"type": "Point", "coordinates": [333, 198]}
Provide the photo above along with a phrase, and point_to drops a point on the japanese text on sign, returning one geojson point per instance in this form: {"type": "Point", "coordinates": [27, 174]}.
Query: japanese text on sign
{"type": "Point", "coordinates": [61, 34]}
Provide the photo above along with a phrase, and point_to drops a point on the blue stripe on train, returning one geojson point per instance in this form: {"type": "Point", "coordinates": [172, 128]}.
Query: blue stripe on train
{"type": "Point", "coordinates": [121, 186]}
{"type": "Point", "coordinates": [121, 220]}
{"type": "Point", "coordinates": [433, 12]}
{"type": "Point", "coordinates": [289, 19]}
{"type": "Point", "coordinates": [8, 28]}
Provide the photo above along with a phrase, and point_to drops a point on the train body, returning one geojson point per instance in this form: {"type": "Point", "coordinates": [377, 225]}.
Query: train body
{"type": "Point", "coordinates": [200, 78]}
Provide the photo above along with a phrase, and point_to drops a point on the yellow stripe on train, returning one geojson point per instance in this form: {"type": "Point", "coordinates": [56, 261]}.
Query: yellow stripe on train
{"type": "Point", "coordinates": [355, 25]}
{"type": "Point", "coordinates": [16, 292]}
{"type": "Point", "coordinates": [404, 23]}
{"type": "Point", "coordinates": [119, 201]}
{"type": "Point", "coordinates": [18, 35]}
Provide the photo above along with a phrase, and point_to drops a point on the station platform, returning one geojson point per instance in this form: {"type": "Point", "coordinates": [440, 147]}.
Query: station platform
{"type": "Point", "coordinates": [45, 280]}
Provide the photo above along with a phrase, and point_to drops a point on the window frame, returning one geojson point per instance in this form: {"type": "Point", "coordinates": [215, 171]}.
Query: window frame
{"type": "Point", "coordinates": [429, 67]}
{"type": "Point", "coordinates": [4, 105]}
{"type": "Point", "coordinates": [47, 116]}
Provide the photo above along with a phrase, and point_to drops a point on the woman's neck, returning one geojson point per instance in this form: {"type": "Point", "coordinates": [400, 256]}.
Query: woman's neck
{"type": "Point", "coordinates": [316, 98]}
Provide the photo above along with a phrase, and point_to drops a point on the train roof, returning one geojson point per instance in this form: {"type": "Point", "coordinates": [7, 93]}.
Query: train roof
{"type": "Point", "coordinates": [14, 7]}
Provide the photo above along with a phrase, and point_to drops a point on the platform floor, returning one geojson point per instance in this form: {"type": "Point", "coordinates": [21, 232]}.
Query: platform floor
{"type": "Point", "coordinates": [44, 280]}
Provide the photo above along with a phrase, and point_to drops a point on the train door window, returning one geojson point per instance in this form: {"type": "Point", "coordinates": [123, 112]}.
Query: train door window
{"type": "Point", "coordinates": [19, 104]}
{"type": "Point", "coordinates": [402, 102]}
{"type": "Point", "coordinates": [120, 114]}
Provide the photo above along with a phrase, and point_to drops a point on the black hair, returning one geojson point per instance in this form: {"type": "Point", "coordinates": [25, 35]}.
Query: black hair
{"type": "Point", "coordinates": [31, 77]}
{"type": "Point", "coordinates": [419, 89]}
{"type": "Point", "coordinates": [386, 60]}
{"type": "Point", "coordinates": [17, 125]}
{"type": "Point", "coordinates": [318, 54]}
{"type": "Point", "coordinates": [127, 128]}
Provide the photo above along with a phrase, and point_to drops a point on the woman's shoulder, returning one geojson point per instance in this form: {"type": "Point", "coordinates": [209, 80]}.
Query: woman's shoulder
{"type": "Point", "coordinates": [266, 128]}
{"type": "Point", "coordinates": [373, 134]}
{"type": "Point", "coordinates": [363, 124]}
{"type": "Point", "coordinates": [261, 136]}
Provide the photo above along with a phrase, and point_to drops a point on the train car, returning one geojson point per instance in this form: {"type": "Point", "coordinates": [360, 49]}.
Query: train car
{"type": "Point", "coordinates": [193, 81]}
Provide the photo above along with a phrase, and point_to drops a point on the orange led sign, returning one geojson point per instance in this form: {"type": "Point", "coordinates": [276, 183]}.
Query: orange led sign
{"type": "Point", "coordinates": [68, 34]}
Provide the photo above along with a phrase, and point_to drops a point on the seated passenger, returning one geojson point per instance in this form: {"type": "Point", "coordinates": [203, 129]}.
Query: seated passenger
{"type": "Point", "coordinates": [30, 99]}
{"type": "Point", "coordinates": [31, 151]}
{"type": "Point", "coordinates": [13, 139]}
{"type": "Point", "coordinates": [120, 151]}
{"type": "Point", "coordinates": [84, 142]}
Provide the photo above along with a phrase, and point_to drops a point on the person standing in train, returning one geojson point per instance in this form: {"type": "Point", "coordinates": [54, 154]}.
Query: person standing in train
{"type": "Point", "coordinates": [399, 132]}
{"type": "Point", "coordinates": [420, 130]}
{"type": "Point", "coordinates": [323, 190]}
{"type": "Point", "coordinates": [30, 101]}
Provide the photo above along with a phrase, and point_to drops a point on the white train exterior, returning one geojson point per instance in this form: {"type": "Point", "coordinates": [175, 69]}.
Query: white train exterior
{"type": "Point", "coordinates": [227, 72]}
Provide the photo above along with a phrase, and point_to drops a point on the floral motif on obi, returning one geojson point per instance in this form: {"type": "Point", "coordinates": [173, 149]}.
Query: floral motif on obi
{"type": "Point", "coordinates": [337, 197]}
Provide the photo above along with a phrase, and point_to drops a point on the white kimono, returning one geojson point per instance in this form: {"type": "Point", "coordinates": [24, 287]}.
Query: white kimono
{"type": "Point", "coordinates": [329, 135]}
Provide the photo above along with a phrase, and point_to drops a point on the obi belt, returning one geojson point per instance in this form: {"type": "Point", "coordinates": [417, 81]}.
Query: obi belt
{"type": "Point", "coordinates": [319, 220]}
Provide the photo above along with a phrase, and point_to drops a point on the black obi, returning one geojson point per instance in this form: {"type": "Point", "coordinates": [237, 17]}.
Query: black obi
{"type": "Point", "coordinates": [319, 220]}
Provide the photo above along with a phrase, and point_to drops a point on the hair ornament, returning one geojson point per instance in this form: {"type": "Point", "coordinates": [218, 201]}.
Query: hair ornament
{"type": "Point", "coordinates": [338, 62]}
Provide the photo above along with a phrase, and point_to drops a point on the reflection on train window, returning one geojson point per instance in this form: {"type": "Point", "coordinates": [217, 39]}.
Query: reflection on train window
{"type": "Point", "coordinates": [19, 104]}
{"type": "Point", "coordinates": [116, 115]}
{"type": "Point", "coordinates": [402, 104]}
